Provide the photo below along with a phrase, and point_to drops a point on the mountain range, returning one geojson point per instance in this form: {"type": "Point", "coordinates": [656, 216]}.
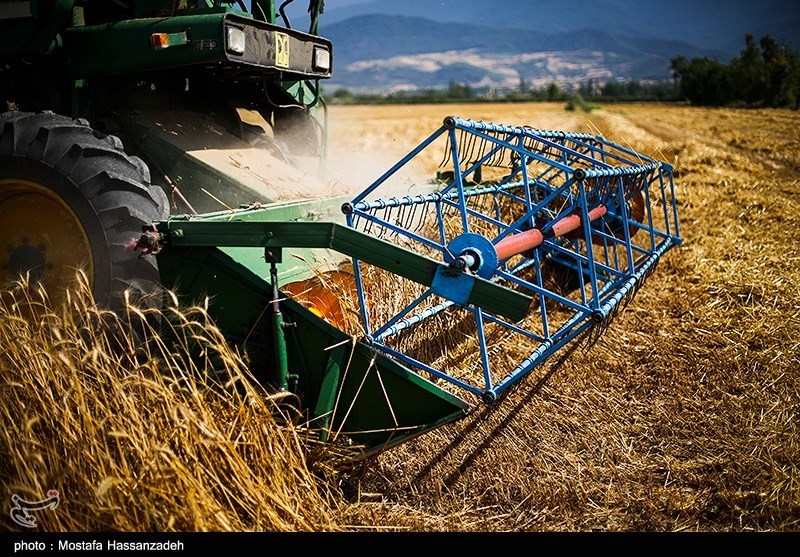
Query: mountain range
{"type": "Point", "coordinates": [386, 45]}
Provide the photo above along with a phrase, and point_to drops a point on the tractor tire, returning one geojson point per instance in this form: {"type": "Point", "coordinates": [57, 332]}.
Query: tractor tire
{"type": "Point", "coordinates": [70, 198]}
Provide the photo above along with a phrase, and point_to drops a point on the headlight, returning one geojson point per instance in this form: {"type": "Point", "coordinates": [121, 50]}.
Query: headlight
{"type": "Point", "coordinates": [322, 59]}
{"type": "Point", "coordinates": [235, 39]}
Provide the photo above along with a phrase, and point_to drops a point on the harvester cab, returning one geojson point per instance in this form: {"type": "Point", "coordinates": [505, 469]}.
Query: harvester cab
{"type": "Point", "coordinates": [161, 145]}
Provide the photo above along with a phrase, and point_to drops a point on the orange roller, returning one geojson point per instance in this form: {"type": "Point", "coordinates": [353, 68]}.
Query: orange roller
{"type": "Point", "coordinates": [321, 295]}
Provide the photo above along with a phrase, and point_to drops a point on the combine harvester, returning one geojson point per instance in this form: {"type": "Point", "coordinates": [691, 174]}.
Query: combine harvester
{"type": "Point", "coordinates": [454, 281]}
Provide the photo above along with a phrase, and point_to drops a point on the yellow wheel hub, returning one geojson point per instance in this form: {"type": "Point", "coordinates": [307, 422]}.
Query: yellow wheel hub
{"type": "Point", "coordinates": [41, 236]}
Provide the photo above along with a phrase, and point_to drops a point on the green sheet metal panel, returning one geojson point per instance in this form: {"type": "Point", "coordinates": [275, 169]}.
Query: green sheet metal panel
{"type": "Point", "coordinates": [372, 401]}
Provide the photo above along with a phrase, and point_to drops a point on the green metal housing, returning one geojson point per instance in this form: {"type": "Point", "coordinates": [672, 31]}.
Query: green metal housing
{"type": "Point", "coordinates": [350, 393]}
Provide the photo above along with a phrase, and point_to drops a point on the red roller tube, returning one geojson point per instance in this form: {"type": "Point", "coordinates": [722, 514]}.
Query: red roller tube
{"type": "Point", "coordinates": [524, 241]}
{"type": "Point", "coordinates": [512, 245]}
{"type": "Point", "coordinates": [566, 225]}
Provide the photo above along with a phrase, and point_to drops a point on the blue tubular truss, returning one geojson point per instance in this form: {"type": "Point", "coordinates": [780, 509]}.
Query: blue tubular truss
{"type": "Point", "coordinates": [519, 207]}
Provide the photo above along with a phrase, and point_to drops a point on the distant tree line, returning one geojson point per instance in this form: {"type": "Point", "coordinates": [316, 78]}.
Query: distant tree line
{"type": "Point", "coordinates": [611, 91]}
{"type": "Point", "coordinates": [764, 74]}
{"type": "Point", "coordinates": [627, 91]}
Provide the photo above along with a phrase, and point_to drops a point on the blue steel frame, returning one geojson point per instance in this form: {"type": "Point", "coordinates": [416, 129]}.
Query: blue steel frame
{"type": "Point", "coordinates": [551, 175]}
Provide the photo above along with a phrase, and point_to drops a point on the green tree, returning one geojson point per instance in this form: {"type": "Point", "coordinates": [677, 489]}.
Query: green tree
{"type": "Point", "coordinates": [341, 94]}
{"type": "Point", "coordinates": [612, 89]}
{"type": "Point", "coordinates": [748, 73]}
{"type": "Point", "coordinates": [703, 81]}
{"type": "Point", "coordinates": [459, 91]}
{"type": "Point", "coordinates": [764, 74]}
{"type": "Point", "coordinates": [782, 73]}
{"type": "Point", "coordinates": [553, 92]}
{"type": "Point", "coordinates": [634, 89]}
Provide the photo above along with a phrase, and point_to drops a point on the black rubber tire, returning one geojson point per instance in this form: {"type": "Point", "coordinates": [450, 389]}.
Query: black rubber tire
{"type": "Point", "coordinates": [108, 190]}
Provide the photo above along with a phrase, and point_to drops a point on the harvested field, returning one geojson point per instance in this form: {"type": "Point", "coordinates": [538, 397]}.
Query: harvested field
{"type": "Point", "coordinates": [682, 416]}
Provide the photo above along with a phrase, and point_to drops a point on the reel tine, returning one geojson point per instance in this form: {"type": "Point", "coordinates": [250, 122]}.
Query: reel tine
{"type": "Point", "coordinates": [486, 146]}
{"type": "Point", "coordinates": [446, 156]}
{"type": "Point", "coordinates": [421, 223]}
{"type": "Point", "coordinates": [504, 153]}
{"type": "Point", "coordinates": [408, 213]}
{"type": "Point", "coordinates": [469, 150]}
{"type": "Point", "coordinates": [368, 226]}
{"type": "Point", "coordinates": [481, 152]}
{"type": "Point", "coordinates": [399, 221]}
{"type": "Point", "coordinates": [387, 214]}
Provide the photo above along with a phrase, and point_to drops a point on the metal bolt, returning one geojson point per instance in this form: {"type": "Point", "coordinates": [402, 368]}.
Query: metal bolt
{"type": "Point", "coordinates": [458, 264]}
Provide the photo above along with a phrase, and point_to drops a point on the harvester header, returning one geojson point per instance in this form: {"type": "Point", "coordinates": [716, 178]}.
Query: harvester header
{"type": "Point", "coordinates": [529, 239]}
